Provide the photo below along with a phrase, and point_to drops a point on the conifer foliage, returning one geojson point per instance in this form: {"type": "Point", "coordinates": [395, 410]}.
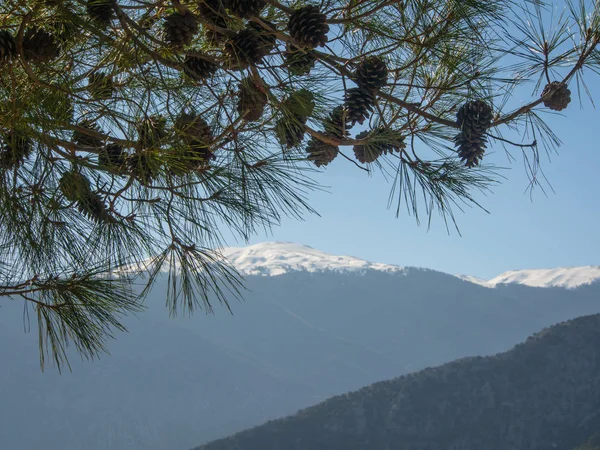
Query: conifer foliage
{"type": "Point", "coordinates": [132, 131]}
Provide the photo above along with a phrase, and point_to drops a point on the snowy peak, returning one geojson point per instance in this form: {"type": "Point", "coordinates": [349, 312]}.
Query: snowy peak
{"type": "Point", "coordinates": [565, 277]}
{"type": "Point", "coordinates": [277, 258]}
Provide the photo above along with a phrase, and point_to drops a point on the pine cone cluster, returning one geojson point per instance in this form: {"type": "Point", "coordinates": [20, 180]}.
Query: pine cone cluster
{"type": "Point", "coordinates": [473, 119]}
{"type": "Point", "coordinates": [559, 95]}
{"type": "Point", "coordinates": [370, 75]}
{"type": "Point", "coordinates": [308, 27]}
{"type": "Point", "coordinates": [180, 29]}
{"type": "Point", "coordinates": [15, 148]}
{"type": "Point", "coordinates": [245, 8]}
{"type": "Point", "coordinates": [321, 153]}
{"type": "Point", "coordinates": [101, 11]}
{"type": "Point", "coordinates": [336, 126]}
{"type": "Point", "coordinates": [379, 142]}
{"type": "Point", "coordinates": [252, 100]}
{"type": "Point", "coordinates": [39, 46]}
{"type": "Point", "coordinates": [84, 139]}
{"type": "Point", "coordinates": [8, 46]}
{"type": "Point", "coordinates": [199, 68]}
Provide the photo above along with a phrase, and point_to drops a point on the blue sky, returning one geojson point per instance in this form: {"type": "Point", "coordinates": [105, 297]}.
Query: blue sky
{"type": "Point", "coordinates": [560, 229]}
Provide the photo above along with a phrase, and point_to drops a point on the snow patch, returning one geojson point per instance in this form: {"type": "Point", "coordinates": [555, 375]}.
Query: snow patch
{"type": "Point", "coordinates": [565, 277]}
{"type": "Point", "coordinates": [475, 280]}
{"type": "Point", "coordinates": [277, 258]}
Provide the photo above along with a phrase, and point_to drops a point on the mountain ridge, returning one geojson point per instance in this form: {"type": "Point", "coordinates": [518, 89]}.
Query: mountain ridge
{"type": "Point", "coordinates": [274, 258]}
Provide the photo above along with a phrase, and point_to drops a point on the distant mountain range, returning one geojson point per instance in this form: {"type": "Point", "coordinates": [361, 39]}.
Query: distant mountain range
{"type": "Point", "coordinates": [325, 325]}
{"type": "Point", "coordinates": [277, 258]}
{"type": "Point", "coordinates": [543, 394]}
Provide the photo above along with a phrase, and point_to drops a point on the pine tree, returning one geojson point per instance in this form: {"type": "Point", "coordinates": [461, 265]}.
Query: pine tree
{"type": "Point", "coordinates": [131, 131]}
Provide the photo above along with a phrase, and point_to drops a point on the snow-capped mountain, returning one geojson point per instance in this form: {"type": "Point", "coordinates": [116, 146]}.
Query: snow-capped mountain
{"type": "Point", "coordinates": [567, 277]}
{"type": "Point", "coordinates": [278, 258]}
{"type": "Point", "coordinates": [563, 277]}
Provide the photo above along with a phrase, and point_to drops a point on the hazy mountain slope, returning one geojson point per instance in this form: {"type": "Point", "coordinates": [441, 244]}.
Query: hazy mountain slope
{"type": "Point", "coordinates": [543, 394]}
{"type": "Point", "coordinates": [162, 387]}
{"type": "Point", "coordinates": [422, 317]}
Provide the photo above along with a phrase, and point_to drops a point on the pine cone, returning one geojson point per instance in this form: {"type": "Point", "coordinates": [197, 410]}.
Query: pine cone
{"type": "Point", "coordinates": [359, 105]}
{"type": "Point", "coordinates": [198, 68]}
{"type": "Point", "coordinates": [94, 208]}
{"type": "Point", "coordinates": [200, 155]}
{"type": "Point", "coordinates": [213, 12]}
{"type": "Point", "coordinates": [144, 165]}
{"type": "Point", "coordinates": [321, 153]}
{"type": "Point", "coordinates": [300, 103]}
{"type": "Point", "coordinates": [15, 148]}
{"type": "Point", "coordinates": [252, 101]}
{"type": "Point", "coordinates": [39, 46]}
{"type": "Point", "coordinates": [560, 97]}
{"type": "Point", "coordinates": [473, 119]}
{"type": "Point", "coordinates": [290, 131]}
{"type": "Point", "coordinates": [62, 26]}
{"type": "Point", "coordinates": [152, 131]}
{"type": "Point", "coordinates": [366, 153]}
{"type": "Point", "coordinates": [245, 8]}
{"type": "Point", "coordinates": [371, 74]}
{"type": "Point", "coordinates": [336, 125]}
{"type": "Point", "coordinates": [101, 11]}
{"type": "Point", "coordinates": [267, 38]}
{"type": "Point", "coordinates": [470, 151]}
{"type": "Point", "coordinates": [299, 62]}
{"type": "Point", "coordinates": [8, 46]}
{"type": "Point", "coordinates": [213, 37]}
{"type": "Point", "coordinates": [308, 27]}
{"type": "Point", "coordinates": [100, 86]}
{"type": "Point", "coordinates": [57, 106]}
{"type": "Point", "coordinates": [380, 142]}
{"type": "Point", "coordinates": [84, 139]}
{"type": "Point", "coordinates": [180, 29]}
{"type": "Point", "coordinates": [194, 129]}
{"type": "Point", "coordinates": [244, 49]}
{"type": "Point", "coordinates": [198, 137]}
{"type": "Point", "coordinates": [112, 156]}
{"type": "Point", "coordinates": [75, 186]}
